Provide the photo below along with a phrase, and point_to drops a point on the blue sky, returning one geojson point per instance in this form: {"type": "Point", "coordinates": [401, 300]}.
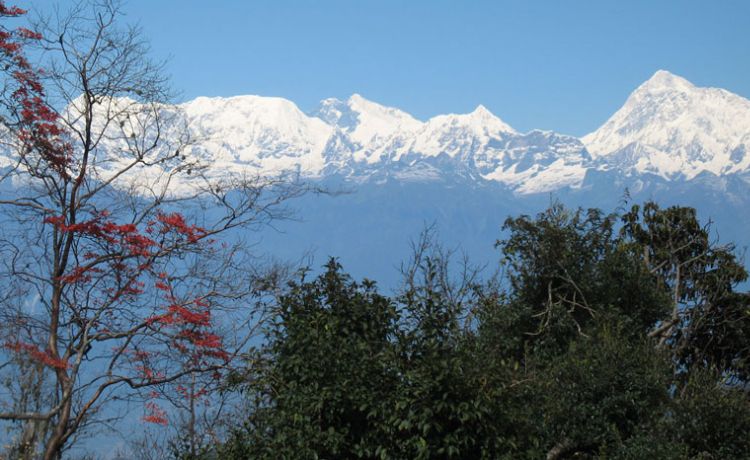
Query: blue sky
{"type": "Point", "coordinates": [560, 65]}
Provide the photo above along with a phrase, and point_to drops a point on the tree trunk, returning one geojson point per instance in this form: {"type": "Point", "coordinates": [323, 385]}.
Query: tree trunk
{"type": "Point", "coordinates": [56, 442]}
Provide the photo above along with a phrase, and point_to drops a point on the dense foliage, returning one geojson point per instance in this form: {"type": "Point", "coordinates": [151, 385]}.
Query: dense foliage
{"type": "Point", "coordinates": [609, 336]}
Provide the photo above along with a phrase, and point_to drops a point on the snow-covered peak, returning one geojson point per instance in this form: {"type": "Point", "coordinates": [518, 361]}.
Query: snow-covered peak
{"type": "Point", "coordinates": [365, 119]}
{"type": "Point", "coordinates": [672, 128]}
{"type": "Point", "coordinates": [333, 111]}
{"type": "Point", "coordinates": [368, 128]}
{"type": "Point", "coordinates": [459, 136]}
{"type": "Point", "coordinates": [376, 120]}
{"type": "Point", "coordinates": [482, 112]}
{"type": "Point", "coordinates": [480, 122]}
{"type": "Point", "coordinates": [664, 80]}
{"type": "Point", "coordinates": [237, 111]}
{"type": "Point", "coordinates": [269, 133]}
{"type": "Point", "coordinates": [361, 105]}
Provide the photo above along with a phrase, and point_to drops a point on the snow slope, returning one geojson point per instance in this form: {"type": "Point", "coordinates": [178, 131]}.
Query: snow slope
{"type": "Point", "coordinates": [674, 129]}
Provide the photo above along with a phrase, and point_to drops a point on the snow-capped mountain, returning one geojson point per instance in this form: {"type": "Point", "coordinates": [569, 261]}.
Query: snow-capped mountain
{"type": "Point", "coordinates": [370, 128]}
{"type": "Point", "coordinates": [674, 129]}
{"type": "Point", "coordinates": [667, 127]}
{"type": "Point", "coordinates": [362, 140]}
{"type": "Point", "coordinates": [269, 134]}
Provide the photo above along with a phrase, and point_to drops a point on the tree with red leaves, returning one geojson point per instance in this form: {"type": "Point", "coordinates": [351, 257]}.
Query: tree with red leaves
{"type": "Point", "coordinates": [113, 286]}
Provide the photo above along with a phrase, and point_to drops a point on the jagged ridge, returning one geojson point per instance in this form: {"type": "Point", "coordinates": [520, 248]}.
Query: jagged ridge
{"type": "Point", "coordinates": [362, 140]}
{"type": "Point", "coordinates": [667, 127]}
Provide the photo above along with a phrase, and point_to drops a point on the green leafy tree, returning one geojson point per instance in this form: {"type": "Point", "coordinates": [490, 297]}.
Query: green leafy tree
{"type": "Point", "coordinates": [441, 408]}
{"type": "Point", "coordinates": [706, 420]}
{"type": "Point", "coordinates": [607, 388]}
{"type": "Point", "coordinates": [567, 271]}
{"type": "Point", "coordinates": [708, 320]}
{"type": "Point", "coordinates": [327, 373]}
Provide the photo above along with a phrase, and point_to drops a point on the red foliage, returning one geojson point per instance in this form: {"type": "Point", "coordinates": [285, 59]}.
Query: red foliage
{"type": "Point", "coordinates": [29, 34]}
{"type": "Point", "coordinates": [127, 236]}
{"type": "Point", "coordinates": [175, 222]}
{"type": "Point", "coordinates": [155, 414]}
{"type": "Point", "coordinates": [192, 330]}
{"type": "Point", "coordinates": [130, 255]}
{"type": "Point", "coordinates": [44, 357]}
{"type": "Point", "coordinates": [146, 372]}
{"type": "Point", "coordinates": [79, 275]}
{"type": "Point", "coordinates": [10, 11]}
{"type": "Point", "coordinates": [196, 394]}
{"type": "Point", "coordinates": [141, 354]}
{"type": "Point", "coordinates": [38, 129]}
{"type": "Point", "coordinates": [162, 286]}
{"type": "Point", "coordinates": [177, 314]}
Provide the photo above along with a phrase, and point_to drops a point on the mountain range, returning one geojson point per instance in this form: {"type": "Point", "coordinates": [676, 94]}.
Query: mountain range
{"type": "Point", "coordinates": [668, 128]}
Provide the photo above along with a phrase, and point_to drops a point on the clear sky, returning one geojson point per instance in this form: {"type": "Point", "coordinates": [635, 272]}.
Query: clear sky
{"type": "Point", "coordinates": [560, 65]}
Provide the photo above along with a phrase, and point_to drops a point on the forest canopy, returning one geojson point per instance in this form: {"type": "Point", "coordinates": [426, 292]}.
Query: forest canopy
{"type": "Point", "coordinates": [608, 336]}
